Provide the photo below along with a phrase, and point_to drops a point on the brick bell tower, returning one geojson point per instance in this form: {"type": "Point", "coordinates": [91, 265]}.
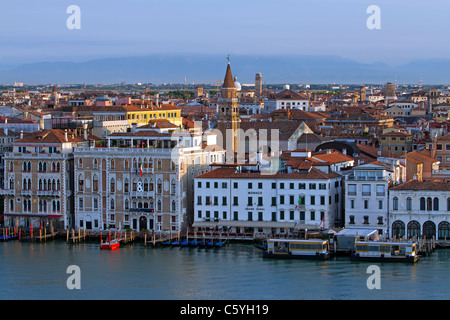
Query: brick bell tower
{"type": "Point", "coordinates": [228, 121]}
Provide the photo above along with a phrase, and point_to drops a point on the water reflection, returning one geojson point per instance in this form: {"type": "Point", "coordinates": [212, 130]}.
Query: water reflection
{"type": "Point", "coordinates": [238, 271]}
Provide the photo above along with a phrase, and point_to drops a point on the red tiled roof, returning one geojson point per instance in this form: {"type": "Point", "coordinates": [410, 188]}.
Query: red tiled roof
{"type": "Point", "coordinates": [230, 173]}
{"type": "Point", "coordinates": [427, 185]}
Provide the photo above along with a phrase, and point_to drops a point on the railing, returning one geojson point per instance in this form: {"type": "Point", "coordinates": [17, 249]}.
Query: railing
{"type": "Point", "coordinates": [54, 193]}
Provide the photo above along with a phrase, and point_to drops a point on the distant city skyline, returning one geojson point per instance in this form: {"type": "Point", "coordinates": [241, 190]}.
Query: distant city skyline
{"type": "Point", "coordinates": [35, 31]}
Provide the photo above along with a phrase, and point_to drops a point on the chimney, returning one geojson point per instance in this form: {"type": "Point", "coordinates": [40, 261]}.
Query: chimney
{"type": "Point", "coordinates": [65, 135]}
{"type": "Point", "coordinates": [85, 131]}
{"type": "Point", "coordinates": [157, 100]}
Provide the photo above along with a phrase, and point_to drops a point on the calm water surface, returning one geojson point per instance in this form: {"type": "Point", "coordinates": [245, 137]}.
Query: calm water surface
{"type": "Point", "coordinates": [236, 272]}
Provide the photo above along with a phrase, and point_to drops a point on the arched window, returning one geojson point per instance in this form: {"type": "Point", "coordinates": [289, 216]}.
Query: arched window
{"type": "Point", "coordinates": [409, 204]}
{"type": "Point", "coordinates": [413, 229]}
{"type": "Point", "coordinates": [159, 187]}
{"type": "Point", "coordinates": [422, 204]}
{"type": "Point", "coordinates": [80, 163]}
{"type": "Point", "coordinates": [443, 230]}
{"type": "Point", "coordinates": [11, 205]}
{"type": "Point", "coordinates": [172, 186]}
{"type": "Point", "coordinates": [113, 185]}
{"type": "Point", "coordinates": [429, 204]}
{"type": "Point", "coordinates": [58, 167]}
{"type": "Point", "coordinates": [127, 204]}
{"type": "Point", "coordinates": [159, 205]}
{"type": "Point", "coordinates": [80, 183]}
{"type": "Point", "coordinates": [11, 183]}
{"type": "Point", "coordinates": [436, 204]}
{"type": "Point", "coordinates": [395, 203]}
{"type": "Point", "coordinates": [95, 164]}
{"type": "Point", "coordinates": [44, 167]}
{"type": "Point", "coordinates": [174, 206]}
{"type": "Point", "coordinates": [112, 204]}
{"type": "Point", "coordinates": [398, 229]}
{"type": "Point", "coordinates": [40, 184]}
{"type": "Point", "coordinates": [126, 185]}
{"type": "Point", "coordinates": [40, 166]}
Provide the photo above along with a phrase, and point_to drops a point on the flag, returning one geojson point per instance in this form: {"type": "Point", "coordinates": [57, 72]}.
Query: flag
{"type": "Point", "coordinates": [141, 170]}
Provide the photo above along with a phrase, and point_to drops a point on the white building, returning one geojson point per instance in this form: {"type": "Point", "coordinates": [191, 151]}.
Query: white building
{"type": "Point", "coordinates": [366, 196]}
{"type": "Point", "coordinates": [286, 99]}
{"type": "Point", "coordinates": [242, 199]}
{"type": "Point", "coordinates": [420, 208]}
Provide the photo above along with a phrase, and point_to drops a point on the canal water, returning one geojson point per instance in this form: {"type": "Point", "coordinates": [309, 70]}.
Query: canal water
{"type": "Point", "coordinates": [235, 272]}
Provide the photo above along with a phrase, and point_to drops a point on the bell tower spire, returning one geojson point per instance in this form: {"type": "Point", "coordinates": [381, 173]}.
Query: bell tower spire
{"type": "Point", "coordinates": [228, 121]}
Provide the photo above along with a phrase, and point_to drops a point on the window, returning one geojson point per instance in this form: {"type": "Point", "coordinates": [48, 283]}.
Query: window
{"type": "Point", "coordinates": [366, 189]}
{"type": "Point", "coordinates": [95, 183]}
{"type": "Point", "coordinates": [113, 185]}
{"type": "Point", "coordinates": [395, 203]}
{"type": "Point", "coordinates": [422, 204]}
{"type": "Point", "coordinates": [366, 220]}
{"type": "Point", "coordinates": [436, 204]}
{"type": "Point", "coordinates": [352, 220]}
{"type": "Point", "coordinates": [250, 185]}
{"type": "Point", "coordinates": [352, 189]}
{"type": "Point", "coordinates": [260, 201]}
{"type": "Point", "coordinates": [380, 190]}
{"type": "Point", "coordinates": [366, 204]}
{"type": "Point", "coordinates": [250, 201]}
{"type": "Point", "coordinates": [312, 186]}
{"type": "Point", "coordinates": [250, 216]}
{"type": "Point", "coordinates": [313, 215]}
{"type": "Point", "coordinates": [408, 204]}
{"type": "Point", "coordinates": [313, 200]}
{"type": "Point", "coordinates": [352, 204]}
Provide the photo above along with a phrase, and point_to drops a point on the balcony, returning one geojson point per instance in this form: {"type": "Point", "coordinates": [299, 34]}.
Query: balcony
{"type": "Point", "coordinates": [26, 192]}
{"type": "Point", "coordinates": [7, 192]}
{"type": "Point", "coordinates": [49, 193]}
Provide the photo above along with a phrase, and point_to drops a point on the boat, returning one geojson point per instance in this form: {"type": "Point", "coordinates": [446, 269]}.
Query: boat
{"type": "Point", "coordinates": [381, 251]}
{"type": "Point", "coordinates": [184, 243]}
{"type": "Point", "coordinates": [219, 244]}
{"type": "Point", "coordinates": [193, 243]}
{"type": "Point", "coordinates": [175, 243]}
{"type": "Point", "coordinates": [210, 243]}
{"type": "Point", "coordinates": [110, 245]}
{"type": "Point", "coordinates": [297, 249]}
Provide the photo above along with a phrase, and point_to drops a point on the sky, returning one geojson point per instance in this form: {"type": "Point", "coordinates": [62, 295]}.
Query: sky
{"type": "Point", "coordinates": [36, 31]}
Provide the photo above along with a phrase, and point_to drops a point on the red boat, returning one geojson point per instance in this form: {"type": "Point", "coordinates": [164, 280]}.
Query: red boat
{"type": "Point", "coordinates": [110, 245]}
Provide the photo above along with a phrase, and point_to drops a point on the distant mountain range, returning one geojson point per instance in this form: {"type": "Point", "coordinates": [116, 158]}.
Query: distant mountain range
{"type": "Point", "coordinates": [196, 69]}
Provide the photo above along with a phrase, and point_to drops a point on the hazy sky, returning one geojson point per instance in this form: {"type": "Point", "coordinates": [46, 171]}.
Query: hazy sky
{"type": "Point", "coordinates": [32, 30]}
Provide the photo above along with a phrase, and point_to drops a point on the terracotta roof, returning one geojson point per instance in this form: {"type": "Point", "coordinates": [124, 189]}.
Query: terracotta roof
{"type": "Point", "coordinates": [230, 173]}
{"type": "Point", "coordinates": [419, 157]}
{"type": "Point", "coordinates": [334, 157]}
{"type": "Point", "coordinates": [427, 185]}
{"type": "Point", "coordinates": [49, 136]}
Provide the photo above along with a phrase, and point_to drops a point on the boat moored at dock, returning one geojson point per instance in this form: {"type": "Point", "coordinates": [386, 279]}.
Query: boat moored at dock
{"type": "Point", "coordinates": [385, 251]}
{"type": "Point", "coordinates": [297, 249]}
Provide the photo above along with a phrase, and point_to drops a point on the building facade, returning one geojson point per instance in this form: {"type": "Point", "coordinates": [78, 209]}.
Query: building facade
{"type": "Point", "coordinates": [245, 200]}
{"type": "Point", "coordinates": [141, 180]}
{"type": "Point", "coordinates": [38, 180]}
{"type": "Point", "coordinates": [366, 195]}
{"type": "Point", "coordinates": [420, 208]}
